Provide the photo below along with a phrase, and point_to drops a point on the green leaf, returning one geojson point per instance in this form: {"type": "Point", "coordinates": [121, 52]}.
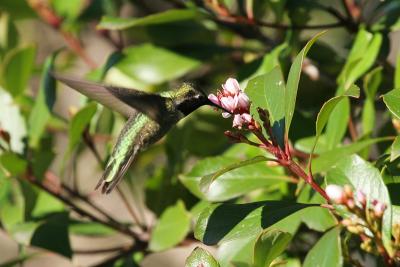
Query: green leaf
{"type": "Point", "coordinates": [224, 222]}
{"type": "Point", "coordinates": [361, 175]}
{"type": "Point", "coordinates": [14, 164]}
{"type": "Point", "coordinates": [395, 149]}
{"type": "Point", "coordinates": [361, 57]}
{"type": "Point", "coordinates": [146, 65]}
{"type": "Point", "coordinates": [201, 257]}
{"type": "Point", "coordinates": [17, 68]}
{"type": "Point", "coordinates": [371, 83]}
{"type": "Point", "coordinates": [293, 83]}
{"type": "Point", "coordinates": [17, 9]}
{"type": "Point", "coordinates": [326, 160]}
{"type": "Point", "coordinates": [12, 122]}
{"type": "Point", "coordinates": [326, 111]}
{"type": "Point", "coordinates": [41, 111]}
{"type": "Point", "coordinates": [269, 245]}
{"type": "Point", "coordinates": [69, 10]}
{"type": "Point", "coordinates": [268, 92]}
{"type": "Point", "coordinates": [8, 34]}
{"type": "Point", "coordinates": [207, 180]}
{"type": "Point", "coordinates": [53, 235]}
{"type": "Point", "coordinates": [79, 123]}
{"type": "Point", "coordinates": [233, 183]}
{"type": "Point", "coordinates": [171, 229]}
{"type": "Point", "coordinates": [172, 15]}
{"type": "Point", "coordinates": [326, 252]}
{"type": "Point", "coordinates": [392, 101]}
{"type": "Point", "coordinates": [397, 73]}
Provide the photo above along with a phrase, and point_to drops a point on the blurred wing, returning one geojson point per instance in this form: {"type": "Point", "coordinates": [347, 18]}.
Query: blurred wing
{"type": "Point", "coordinates": [122, 100]}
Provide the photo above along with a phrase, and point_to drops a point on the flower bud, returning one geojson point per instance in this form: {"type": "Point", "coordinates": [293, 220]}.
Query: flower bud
{"type": "Point", "coordinates": [231, 87]}
{"type": "Point", "coordinates": [336, 194]}
{"type": "Point", "coordinates": [213, 98]}
{"type": "Point", "coordinates": [379, 209]}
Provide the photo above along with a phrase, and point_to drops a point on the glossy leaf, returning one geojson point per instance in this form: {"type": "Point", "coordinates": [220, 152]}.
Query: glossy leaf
{"type": "Point", "coordinates": [42, 109]}
{"type": "Point", "coordinates": [326, 160]}
{"type": "Point", "coordinates": [268, 92]}
{"type": "Point", "coordinates": [53, 235]}
{"type": "Point", "coordinates": [327, 109]}
{"type": "Point", "coordinates": [201, 257]}
{"type": "Point", "coordinates": [171, 229]}
{"type": "Point", "coordinates": [17, 68]}
{"type": "Point", "coordinates": [231, 184]}
{"type": "Point", "coordinates": [293, 82]}
{"type": "Point", "coordinates": [224, 222]}
{"type": "Point", "coordinates": [327, 251]}
{"type": "Point", "coordinates": [395, 149]}
{"type": "Point", "coordinates": [269, 245]}
{"type": "Point", "coordinates": [90, 229]}
{"type": "Point", "coordinates": [78, 124]}
{"type": "Point", "coordinates": [361, 175]}
{"type": "Point", "coordinates": [146, 64]}
{"type": "Point", "coordinates": [392, 101]}
{"type": "Point", "coordinates": [172, 15]}
{"type": "Point", "coordinates": [207, 180]}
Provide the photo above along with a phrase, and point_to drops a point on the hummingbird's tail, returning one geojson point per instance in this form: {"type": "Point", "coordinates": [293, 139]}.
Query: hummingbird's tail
{"type": "Point", "coordinates": [124, 152]}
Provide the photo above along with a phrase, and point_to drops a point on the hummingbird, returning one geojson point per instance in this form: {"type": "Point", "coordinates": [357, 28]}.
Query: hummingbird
{"type": "Point", "coordinates": [150, 117]}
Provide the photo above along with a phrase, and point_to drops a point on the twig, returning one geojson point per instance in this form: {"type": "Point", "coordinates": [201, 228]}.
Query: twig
{"type": "Point", "coordinates": [128, 206]}
{"type": "Point", "coordinates": [116, 226]}
{"type": "Point", "coordinates": [100, 250]}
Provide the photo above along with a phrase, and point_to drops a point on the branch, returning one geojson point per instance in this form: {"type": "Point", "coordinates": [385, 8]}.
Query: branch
{"type": "Point", "coordinates": [112, 224]}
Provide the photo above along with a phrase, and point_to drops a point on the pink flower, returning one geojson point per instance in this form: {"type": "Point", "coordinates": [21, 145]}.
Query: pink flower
{"type": "Point", "coordinates": [379, 209]}
{"type": "Point", "coordinates": [213, 98]}
{"type": "Point", "coordinates": [234, 101]}
{"type": "Point", "coordinates": [336, 194]}
{"type": "Point", "coordinates": [231, 86]}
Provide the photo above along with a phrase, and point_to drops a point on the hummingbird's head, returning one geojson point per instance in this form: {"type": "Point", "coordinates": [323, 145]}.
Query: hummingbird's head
{"type": "Point", "coordinates": [188, 99]}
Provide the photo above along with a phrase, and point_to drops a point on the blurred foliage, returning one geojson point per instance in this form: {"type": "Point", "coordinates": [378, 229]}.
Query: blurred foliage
{"type": "Point", "coordinates": [323, 93]}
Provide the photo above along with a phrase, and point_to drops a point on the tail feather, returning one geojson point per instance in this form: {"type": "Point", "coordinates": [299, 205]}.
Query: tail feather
{"type": "Point", "coordinates": [114, 173]}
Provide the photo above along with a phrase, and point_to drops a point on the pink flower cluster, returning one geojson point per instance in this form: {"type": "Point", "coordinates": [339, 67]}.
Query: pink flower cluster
{"type": "Point", "coordinates": [235, 102]}
{"type": "Point", "coordinates": [344, 196]}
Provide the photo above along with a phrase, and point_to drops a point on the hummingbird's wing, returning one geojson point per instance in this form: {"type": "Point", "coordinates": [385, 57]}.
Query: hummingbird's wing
{"type": "Point", "coordinates": [123, 100]}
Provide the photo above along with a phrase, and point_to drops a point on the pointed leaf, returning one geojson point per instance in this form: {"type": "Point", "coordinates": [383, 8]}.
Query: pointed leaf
{"type": "Point", "coordinates": [327, 251]}
{"type": "Point", "coordinates": [392, 101]}
{"type": "Point", "coordinates": [293, 82]}
{"type": "Point", "coordinates": [207, 180]}
{"type": "Point", "coordinates": [326, 160]}
{"type": "Point", "coordinates": [397, 73]}
{"type": "Point", "coordinates": [172, 15]}
{"type": "Point", "coordinates": [269, 245]}
{"type": "Point", "coordinates": [371, 82]}
{"type": "Point", "coordinates": [201, 257]}
{"type": "Point", "coordinates": [268, 92]}
{"type": "Point", "coordinates": [360, 174]}
{"type": "Point", "coordinates": [326, 111]}
{"type": "Point", "coordinates": [233, 183]}
{"type": "Point", "coordinates": [171, 229]}
{"type": "Point", "coordinates": [224, 222]}
{"type": "Point", "coordinates": [16, 69]}
{"type": "Point", "coordinates": [42, 109]}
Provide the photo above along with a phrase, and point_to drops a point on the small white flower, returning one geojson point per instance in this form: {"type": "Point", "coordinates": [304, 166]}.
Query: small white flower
{"type": "Point", "coordinates": [336, 193]}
